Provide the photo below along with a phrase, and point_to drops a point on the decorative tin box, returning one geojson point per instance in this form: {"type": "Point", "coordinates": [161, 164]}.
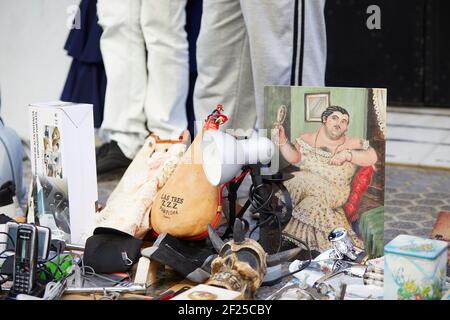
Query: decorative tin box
{"type": "Point", "coordinates": [446, 295]}
{"type": "Point", "coordinates": [415, 269]}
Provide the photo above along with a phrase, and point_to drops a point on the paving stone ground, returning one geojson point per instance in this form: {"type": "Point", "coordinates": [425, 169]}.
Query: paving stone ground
{"type": "Point", "coordinates": [413, 199]}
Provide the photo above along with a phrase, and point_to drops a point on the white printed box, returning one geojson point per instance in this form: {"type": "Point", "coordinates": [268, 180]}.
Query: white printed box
{"type": "Point", "coordinates": [63, 166]}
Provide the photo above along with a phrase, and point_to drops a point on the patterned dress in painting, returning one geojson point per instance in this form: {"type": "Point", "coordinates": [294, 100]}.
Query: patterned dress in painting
{"type": "Point", "coordinates": [318, 192]}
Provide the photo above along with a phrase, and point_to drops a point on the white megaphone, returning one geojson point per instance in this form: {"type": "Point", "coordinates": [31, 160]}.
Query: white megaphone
{"type": "Point", "coordinates": [224, 156]}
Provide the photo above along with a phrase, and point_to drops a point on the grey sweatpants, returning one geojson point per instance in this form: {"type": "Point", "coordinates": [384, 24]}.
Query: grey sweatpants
{"type": "Point", "coordinates": [245, 45]}
{"type": "Point", "coordinates": [145, 51]}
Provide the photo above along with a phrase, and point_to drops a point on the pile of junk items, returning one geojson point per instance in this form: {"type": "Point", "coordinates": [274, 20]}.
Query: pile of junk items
{"type": "Point", "coordinates": [173, 228]}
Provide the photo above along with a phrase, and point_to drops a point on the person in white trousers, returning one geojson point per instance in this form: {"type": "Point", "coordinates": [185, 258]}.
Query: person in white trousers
{"type": "Point", "coordinates": [245, 45]}
{"type": "Point", "coordinates": [145, 51]}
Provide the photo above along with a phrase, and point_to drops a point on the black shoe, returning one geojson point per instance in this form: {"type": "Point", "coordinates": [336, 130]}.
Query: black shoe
{"type": "Point", "coordinates": [110, 159]}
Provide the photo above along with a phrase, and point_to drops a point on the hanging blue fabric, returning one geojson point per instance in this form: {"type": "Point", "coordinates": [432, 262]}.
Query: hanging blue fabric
{"type": "Point", "coordinates": [86, 81]}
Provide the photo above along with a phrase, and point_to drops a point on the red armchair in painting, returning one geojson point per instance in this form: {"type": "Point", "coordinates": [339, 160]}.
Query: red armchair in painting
{"type": "Point", "coordinates": [360, 183]}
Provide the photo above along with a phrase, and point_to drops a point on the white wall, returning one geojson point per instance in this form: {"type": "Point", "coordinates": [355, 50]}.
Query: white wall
{"type": "Point", "coordinates": [33, 62]}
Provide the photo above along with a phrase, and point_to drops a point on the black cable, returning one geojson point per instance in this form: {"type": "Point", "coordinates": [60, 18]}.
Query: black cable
{"type": "Point", "coordinates": [260, 205]}
{"type": "Point", "coordinates": [303, 266]}
{"type": "Point", "coordinates": [280, 238]}
{"type": "Point", "coordinates": [3, 242]}
{"type": "Point", "coordinates": [299, 241]}
{"type": "Point", "coordinates": [45, 270]}
{"type": "Point", "coordinates": [58, 265]}
{"type": "Point", "coordinates": [5, 278]}
{"type": "Point", "coordinates": [86, 275]}
{"type": "Point", "coordinates": [58, 253]}
{"type": "Point", "coordinates": [52, 275]}
{"type": "Point", "coordinates": [258, 225]}
{"type": "Point", "coordinates": [40, 266]}
{"type": "Point", "coordinates": [4, 251]}
{"type": "Point", "coordinates": [10, 238]}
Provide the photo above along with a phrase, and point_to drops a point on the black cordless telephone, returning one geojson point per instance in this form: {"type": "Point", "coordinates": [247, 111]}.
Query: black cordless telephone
{"type": "Point", "coordinates": [25, 259]}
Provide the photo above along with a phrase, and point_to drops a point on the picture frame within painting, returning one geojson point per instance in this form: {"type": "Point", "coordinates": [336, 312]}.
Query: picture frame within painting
{"type": "Point", "coordinates": [315, 104]}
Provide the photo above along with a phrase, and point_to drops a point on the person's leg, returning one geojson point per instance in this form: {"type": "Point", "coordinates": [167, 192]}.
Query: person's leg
{"type": "Point", "coordinates": [163, 25]}
{"type": "Point", "coordinates": [123, 51]}
{"type": "Point", "coordinates": [277, 47]}
{"type": "Point", "coordinates": [270, 28]}
{"type": "Point", "coordinates": [314, 44]}
{"type": "Point", "coordinates": [193, 19]}
{"type": "Point", "coordinates": [223, 61]}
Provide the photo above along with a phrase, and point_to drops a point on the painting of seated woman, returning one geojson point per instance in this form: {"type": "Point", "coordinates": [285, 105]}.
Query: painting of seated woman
{"type": "Point", "coordinates": [332, 140]}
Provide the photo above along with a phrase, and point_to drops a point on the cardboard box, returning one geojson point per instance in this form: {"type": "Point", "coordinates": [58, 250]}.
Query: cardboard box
{"type": "Point", "coordinates": [63, 166]}
{"type": "Point", "coordinates": [415, 269]}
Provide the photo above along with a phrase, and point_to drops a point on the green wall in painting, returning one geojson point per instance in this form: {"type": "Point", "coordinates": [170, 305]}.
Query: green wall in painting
{"type": "Point", "coordinates": [274, 97]}
{"type": "Point", "coordinates": [354, 100]}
